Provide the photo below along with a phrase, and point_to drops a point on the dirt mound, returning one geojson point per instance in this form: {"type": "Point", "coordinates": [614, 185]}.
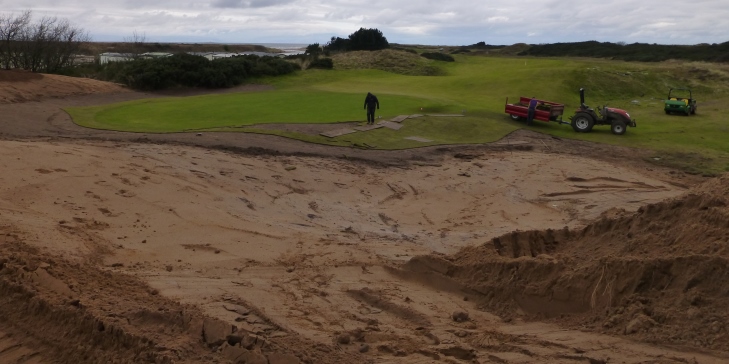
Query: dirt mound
{"type": "Point", "coordinates": [70, 312]}
{"type": "Point", "coordinates": [659, 274]}
{"type": "Point", "coordinates": [24, 86]}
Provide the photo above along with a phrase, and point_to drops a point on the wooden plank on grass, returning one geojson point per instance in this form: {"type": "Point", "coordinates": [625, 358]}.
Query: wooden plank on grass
{"type": "Point", "coordinates": [367, 127]}
{"type": "Point", "coordinates": [400, 118]}
{"type": "Point", "coordinates": [391, 125]}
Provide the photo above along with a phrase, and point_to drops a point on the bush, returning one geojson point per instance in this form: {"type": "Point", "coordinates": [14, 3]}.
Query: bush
{"type": "Point", "coordinates": [185, 70]}
{"type": "Point", "coordinates": [323, 63]}
{"type": "Point", "coordinates": [438, 56]}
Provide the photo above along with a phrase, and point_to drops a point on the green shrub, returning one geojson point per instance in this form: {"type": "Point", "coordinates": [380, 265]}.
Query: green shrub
{"type": "Point", "coordinates": [185, 70]}
{"type": "Point", "coordinates": [438, 56]}
{"type": "Point", "coordinates": [323, 63]}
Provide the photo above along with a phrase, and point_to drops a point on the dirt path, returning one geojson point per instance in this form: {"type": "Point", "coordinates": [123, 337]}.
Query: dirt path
{"type": "Point", "coordinates": [168, 242]}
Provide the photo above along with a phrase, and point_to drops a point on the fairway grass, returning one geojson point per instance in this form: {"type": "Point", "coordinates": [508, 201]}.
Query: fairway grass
{"type": "Point", "coordinates": [474, 86]}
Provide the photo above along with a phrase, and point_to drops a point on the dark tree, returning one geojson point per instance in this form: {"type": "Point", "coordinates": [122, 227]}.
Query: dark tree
{"type": "Point", "coordinates": [47, 45]}
{"type": "Point", "coordinates": [11, 29]}
{"type": "Point", "coordinates": [313, 50]}
{"type": "Point", "coordinates": [337, 44]}
{"type": "Point", "coordinates": [367, 40]}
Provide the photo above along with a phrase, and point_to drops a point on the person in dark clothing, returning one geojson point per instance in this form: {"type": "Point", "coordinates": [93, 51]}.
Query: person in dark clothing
{"type": "Point", "coordinates": [370, 103]}
{"type": "Point", "coordinates": [532, 109]}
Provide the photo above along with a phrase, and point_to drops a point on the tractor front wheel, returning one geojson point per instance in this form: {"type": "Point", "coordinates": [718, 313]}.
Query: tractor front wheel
{"type": "Point", "coordinates": [515, 117]}
{"type": "Point", "coordinates": [582, 123]}
{"type": "Point", "coordinates": [618, 127]}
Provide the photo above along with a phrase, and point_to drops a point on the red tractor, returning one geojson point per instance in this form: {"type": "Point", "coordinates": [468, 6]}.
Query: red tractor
{"type": "Point", "coordinates": [585, 118]}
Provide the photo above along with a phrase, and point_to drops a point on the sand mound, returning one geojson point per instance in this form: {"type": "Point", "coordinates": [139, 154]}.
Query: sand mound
{"type": "Point", "coordinates": [77, 313]}
{"type": "Point", "coordinates": [23, 86]}
{"type": "Point", "coordinates": [658, 274]}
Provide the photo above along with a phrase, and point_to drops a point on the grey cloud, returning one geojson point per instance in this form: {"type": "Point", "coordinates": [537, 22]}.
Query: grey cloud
{"type": "Point", "coordinates": [246, 4]}
{"type": "Point", "coordinates": [402, 21]}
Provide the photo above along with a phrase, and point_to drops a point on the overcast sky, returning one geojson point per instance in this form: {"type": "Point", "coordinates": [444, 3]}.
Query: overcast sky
{"type": "Point", "coordinates": [431, 22]}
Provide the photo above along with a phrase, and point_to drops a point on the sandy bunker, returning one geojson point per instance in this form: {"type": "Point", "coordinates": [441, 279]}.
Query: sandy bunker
{"type": "Point", "coordinates": [172, 253]}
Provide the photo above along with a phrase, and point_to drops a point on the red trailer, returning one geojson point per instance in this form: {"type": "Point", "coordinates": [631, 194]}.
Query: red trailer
{"type": "Point", "coordinates": [546, 110]}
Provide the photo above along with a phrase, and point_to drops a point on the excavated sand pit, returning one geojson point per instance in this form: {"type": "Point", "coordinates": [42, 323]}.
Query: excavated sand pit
{"type": "Point", "coordinates": [259, 250]}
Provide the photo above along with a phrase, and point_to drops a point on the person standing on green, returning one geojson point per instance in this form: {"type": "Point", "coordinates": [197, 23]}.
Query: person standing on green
{"type": "Point", "coordinates": [370, 103]}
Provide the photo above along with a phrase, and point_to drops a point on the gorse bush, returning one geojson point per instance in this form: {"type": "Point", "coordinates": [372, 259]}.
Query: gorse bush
{"type": "Point", "coordinates": [323, 63]}
{"type": "Point", "coordinates": [438, 56]}
{"type": "Point", "coordinates": [186, 70]}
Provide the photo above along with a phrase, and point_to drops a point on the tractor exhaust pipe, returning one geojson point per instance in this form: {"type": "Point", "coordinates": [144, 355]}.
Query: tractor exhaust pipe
{"type": "Point", "coordinates": [582, 97]}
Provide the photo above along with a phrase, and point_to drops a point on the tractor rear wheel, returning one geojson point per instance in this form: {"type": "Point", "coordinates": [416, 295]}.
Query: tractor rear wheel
{"type": "Point", "coordinates": [618, 127]}
{"type": "Point", "coordinates": [582, 122]}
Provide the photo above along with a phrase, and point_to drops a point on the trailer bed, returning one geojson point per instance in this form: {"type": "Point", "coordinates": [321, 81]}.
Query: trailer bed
{"type": "Point", "coordinates": [545, 111]}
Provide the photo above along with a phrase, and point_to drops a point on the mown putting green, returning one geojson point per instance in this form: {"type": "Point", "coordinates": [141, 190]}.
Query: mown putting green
{"type": "Point", "coordinates": [477, 86]}
{"type": "Point", "coordinates": [239, 109]}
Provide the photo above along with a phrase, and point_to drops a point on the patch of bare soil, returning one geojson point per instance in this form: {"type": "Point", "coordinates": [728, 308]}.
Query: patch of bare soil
{"type": "Point", "coordinates": [243, 248]}
{"type": "Point", "coordinates": [21, 86]}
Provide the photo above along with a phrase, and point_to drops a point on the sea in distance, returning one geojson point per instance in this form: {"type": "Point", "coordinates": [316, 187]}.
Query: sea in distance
{"type": "Point", "coordinates": [286, 48]}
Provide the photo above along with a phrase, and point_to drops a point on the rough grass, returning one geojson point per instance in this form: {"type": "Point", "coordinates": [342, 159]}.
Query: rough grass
{"type": "Point", "coordinates": [389, 60]}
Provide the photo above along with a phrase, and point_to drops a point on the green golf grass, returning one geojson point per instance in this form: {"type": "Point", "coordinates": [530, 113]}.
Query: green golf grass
{"type": "Point", "coordinates": [240, 109]}
{"type": "Point", "coordinates": [475, 86]}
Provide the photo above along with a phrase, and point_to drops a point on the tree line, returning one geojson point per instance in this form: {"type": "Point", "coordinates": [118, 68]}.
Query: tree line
{"type": "Point", "coordinates": [642, 52]}
{"type": "Point", "coordinates": [45, 45]}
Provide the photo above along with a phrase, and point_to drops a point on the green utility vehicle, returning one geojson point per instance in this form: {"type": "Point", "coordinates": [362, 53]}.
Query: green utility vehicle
{"type": "Point", "coordinates": [677, 102]}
